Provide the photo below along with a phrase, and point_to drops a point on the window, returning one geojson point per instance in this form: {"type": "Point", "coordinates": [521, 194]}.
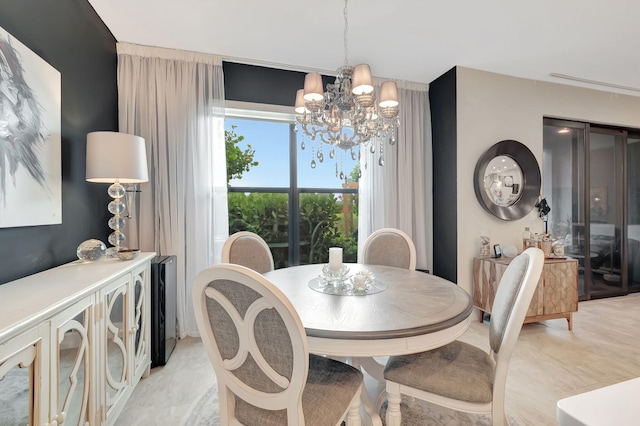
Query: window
{"type": "Point", "coordinates": [300, 211]}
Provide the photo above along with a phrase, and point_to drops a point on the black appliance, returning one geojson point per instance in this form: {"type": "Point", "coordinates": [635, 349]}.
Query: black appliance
{"type": "Point", "coordinates": [163, 308]}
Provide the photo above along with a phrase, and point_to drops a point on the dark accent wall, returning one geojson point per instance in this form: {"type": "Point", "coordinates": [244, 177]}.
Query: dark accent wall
{"type": "Point", "coordinates": [70, 36]}
{"type": "Point", "coordinates": [442, 98]}
{"type": "Point", "coordinates": [262, 85]}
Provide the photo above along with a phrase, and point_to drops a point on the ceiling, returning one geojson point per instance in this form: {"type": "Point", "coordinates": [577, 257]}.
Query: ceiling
{"type": "Point", "coordinates": [414, 40]}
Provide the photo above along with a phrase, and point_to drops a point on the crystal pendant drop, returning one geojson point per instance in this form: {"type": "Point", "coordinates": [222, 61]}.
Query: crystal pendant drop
{"type": "Point", "coordinates": [341, 175]}
{"type": "Point", "coordinates": [359, 173]}
{"type": "Point", "coordinates": [353, 154]}
{"type": "Point", "coordinates": [302, 146]}
{"type": "Point", "coordinates": [392, 139]}
{"type": "Point", "coordinates": [313, 164]}
{"type": "Point", "coordinates": [320, 156]}
{"type": "Point", "coordinates": [381, 161]}
{"type": "Point", "coordinates": [332, 153]}
{"type": "Point", "coordinates": [372, 148]}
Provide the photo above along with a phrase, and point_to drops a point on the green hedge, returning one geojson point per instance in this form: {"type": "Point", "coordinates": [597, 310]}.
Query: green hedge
{"type": "Point", "coordinates": [321, 224]}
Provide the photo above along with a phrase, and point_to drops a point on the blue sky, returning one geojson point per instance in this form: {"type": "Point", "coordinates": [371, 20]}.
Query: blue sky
{"type": "Point", "coordinates": [270, 140]}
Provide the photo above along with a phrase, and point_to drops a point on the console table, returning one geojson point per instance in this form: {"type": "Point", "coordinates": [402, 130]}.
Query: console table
{"type": "Point", "coordinates": [556, 295]}
{"type": "Point", "coordinates": [74, 342]}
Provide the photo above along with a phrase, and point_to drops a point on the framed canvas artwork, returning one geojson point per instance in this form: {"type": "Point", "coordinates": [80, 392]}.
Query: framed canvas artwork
{"type": "Point", "coordinates": [30, 153]}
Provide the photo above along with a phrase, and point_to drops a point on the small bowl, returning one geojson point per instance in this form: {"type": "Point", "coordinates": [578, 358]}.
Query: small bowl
{"type": "Point", "coordinates": [127, 254]}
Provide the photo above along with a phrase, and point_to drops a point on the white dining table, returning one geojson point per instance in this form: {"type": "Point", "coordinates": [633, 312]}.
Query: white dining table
{"type": "Point", "coordinates": [416, 312]}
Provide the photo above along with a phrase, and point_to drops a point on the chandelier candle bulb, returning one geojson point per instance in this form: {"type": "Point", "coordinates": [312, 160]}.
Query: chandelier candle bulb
{"type": "Point", "coordinates": [335, 259]}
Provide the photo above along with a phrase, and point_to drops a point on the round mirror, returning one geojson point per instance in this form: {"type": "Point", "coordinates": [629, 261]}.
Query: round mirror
{"type": "Point", "coordinates": [507, 180]}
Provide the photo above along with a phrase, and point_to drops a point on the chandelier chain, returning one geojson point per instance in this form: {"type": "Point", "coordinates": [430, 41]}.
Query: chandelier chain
{"type": "Point", "coordinates": [346, 30]}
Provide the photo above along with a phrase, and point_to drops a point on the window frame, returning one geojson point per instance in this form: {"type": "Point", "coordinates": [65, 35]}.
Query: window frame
{"type": "Point", "coordinates": [275, 113]}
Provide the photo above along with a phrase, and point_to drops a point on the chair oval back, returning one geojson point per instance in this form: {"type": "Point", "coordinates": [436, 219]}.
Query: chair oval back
{"type": "Point", "coordinates": [513, 297]}
{"type": "Point", "coordinates": [248, 249]}
{"type": "Point", "coordinates": [255, 341]}
{"type": "Point", "coordinates": [389, 247]}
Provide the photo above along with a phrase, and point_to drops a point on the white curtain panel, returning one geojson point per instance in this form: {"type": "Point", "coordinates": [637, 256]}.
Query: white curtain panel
{"type": "Point", "coordinates": [399, 194]}
{"type": "Point", "coordinates": [175, 101]}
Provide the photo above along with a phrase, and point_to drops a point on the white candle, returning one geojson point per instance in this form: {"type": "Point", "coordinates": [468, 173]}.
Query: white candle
{"type": "Point", "coordinates": [335, 259]}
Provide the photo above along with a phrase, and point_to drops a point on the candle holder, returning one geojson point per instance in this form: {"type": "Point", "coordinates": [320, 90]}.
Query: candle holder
{"type": "Point", "coordinates": [334, 277]}
{"type": "Point", "coordinates": [362, 282]}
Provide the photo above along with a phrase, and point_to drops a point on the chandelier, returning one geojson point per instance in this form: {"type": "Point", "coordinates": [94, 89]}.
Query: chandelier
{"type": "Point", "coordinates": [347, 116]}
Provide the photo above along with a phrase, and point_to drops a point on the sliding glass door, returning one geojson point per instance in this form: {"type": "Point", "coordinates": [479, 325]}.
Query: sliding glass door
{"type": "Point", "coordinates": [605, 213]}
{"type": "Point", "coordinates": [593, 210]}
{"type": "Point", "coordinates": [564, 176]}
{"type": "Point", "coordinates": [633, 211]}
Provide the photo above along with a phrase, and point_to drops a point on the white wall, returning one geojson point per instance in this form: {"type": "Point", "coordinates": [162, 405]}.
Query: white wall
{"type": "Point", "coordinates": [494, 107]}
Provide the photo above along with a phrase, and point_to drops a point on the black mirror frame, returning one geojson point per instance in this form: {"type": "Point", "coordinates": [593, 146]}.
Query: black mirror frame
{"type": "Point", "coordinates": [531, 180]}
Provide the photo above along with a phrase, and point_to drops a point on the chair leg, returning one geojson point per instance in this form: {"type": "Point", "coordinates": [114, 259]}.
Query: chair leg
{"type": "Point", "coordinates": [394, 397]}
{"type": "Point", "coordinates": [498, 415]}
{"type": "Point", "coordinates": [353, 416]}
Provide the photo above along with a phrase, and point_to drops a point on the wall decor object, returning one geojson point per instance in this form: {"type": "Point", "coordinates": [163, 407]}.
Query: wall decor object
{"type": "Point", "coordinates": [91, 250]}
{"type": "Point", "coordinates": [507, 180]}
{"type": "Point", "coordinates": [30, 153]}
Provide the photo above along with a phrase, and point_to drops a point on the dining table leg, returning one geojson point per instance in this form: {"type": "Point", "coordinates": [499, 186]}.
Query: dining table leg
{"type": "Point", "coordinates": [374, 394]}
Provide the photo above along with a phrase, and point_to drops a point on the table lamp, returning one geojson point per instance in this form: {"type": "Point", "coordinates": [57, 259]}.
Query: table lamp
{"type": "Point", "coordinates": [116, 158]}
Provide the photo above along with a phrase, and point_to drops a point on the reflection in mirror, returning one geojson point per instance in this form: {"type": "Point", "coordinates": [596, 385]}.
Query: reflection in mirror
{"type": "Point", "coordinates": [116, 348]}
{"type": "Point", "coordinates": [138, 316]}
{"type": "Point", "coordinates": [502, 181]}
{"type": "Point", "coordinates": [15, 395]}
{"type": "Point", "coordinates": [73, 371]}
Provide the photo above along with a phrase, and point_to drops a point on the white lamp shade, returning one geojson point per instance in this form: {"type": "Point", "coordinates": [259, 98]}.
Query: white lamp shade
{"type": "Point", "coordinates": [313, 87]}
{"type": "Point", "coordinates": [115, 156]}
{"type": "Point", "coordinates": [362, 83]}
{"type": "Point", "coordinates": [299, 107]}
{"type": "Point", "coordinates": [388, 94]}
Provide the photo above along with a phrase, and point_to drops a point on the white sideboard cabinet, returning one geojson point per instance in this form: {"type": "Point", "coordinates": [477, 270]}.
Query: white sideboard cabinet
{"type": "Point", "coordinates": [74, 342]}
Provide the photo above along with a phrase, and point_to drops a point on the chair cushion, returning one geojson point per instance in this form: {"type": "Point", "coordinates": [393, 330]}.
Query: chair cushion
{"type": "Point", "coordinates": [388, 249]}
{"type": "Point", "coordinates": [457, 370]}
{"type": "Point", "coordinates": [249, 252]}
{"type": "Point", "coordinates": [330, 388]}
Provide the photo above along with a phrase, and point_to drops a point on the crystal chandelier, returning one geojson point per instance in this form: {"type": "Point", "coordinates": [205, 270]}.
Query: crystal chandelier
{"type": "Point", "coordinates": [348, 115]}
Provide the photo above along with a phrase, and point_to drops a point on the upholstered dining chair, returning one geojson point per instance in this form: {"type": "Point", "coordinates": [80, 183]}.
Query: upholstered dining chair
{"type": "Point", "coordinates": [256, 342]}
{"type": "Point", "coordinates": [248, 249]}
{"type": "Point", "coordinates": [389, 247]}
{"type": "Point", "coordinates": [461, 376]}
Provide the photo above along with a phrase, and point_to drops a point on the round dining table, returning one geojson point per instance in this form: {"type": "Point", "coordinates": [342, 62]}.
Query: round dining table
{"type": "Point", "coordinates": [416, 312]}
